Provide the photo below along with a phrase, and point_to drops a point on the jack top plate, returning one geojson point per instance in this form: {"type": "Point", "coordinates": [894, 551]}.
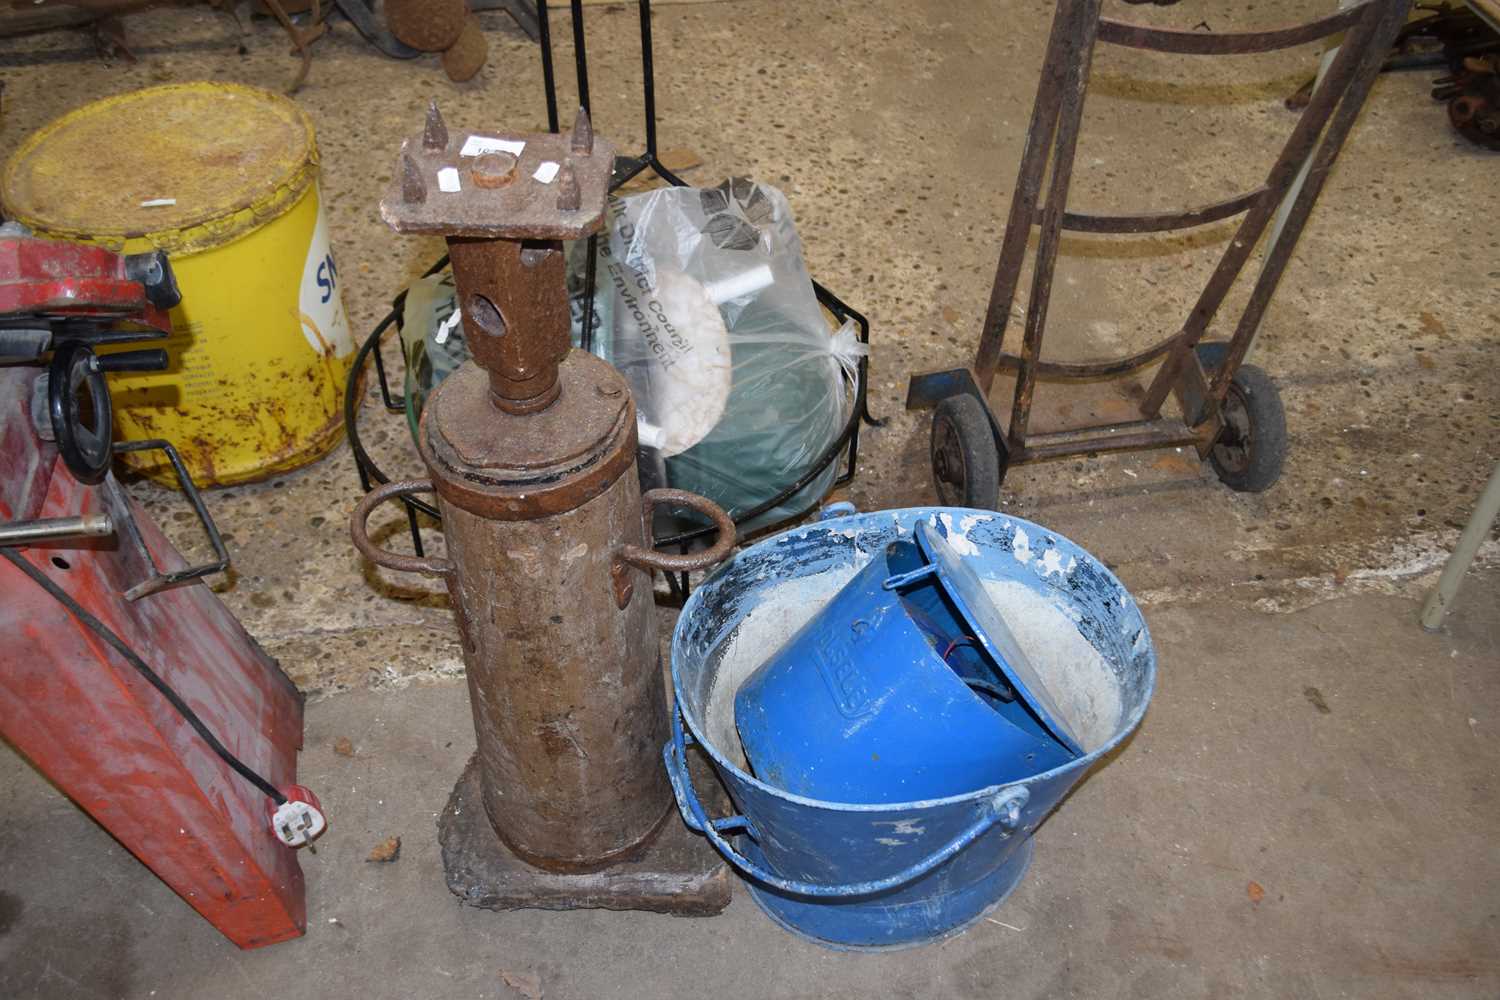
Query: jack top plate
{"type": "Point", "coordinates": [500, 185]}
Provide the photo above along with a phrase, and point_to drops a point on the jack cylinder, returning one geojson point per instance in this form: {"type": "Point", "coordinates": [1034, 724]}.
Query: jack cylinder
{"type": "Point", "coordinates": [531, 449]}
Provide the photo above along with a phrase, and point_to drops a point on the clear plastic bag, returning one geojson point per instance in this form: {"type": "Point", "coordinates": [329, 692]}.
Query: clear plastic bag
{"type": "Point", "coordinates": [707, 308]}
{"type": "Point", "coordinates": [705, 305]}
{"type": "Point", "coordinates": [432, 339]}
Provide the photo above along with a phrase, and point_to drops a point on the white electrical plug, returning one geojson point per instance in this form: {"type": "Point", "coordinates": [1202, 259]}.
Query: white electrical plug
{"type": "Point", "coordinates": [299, 820]}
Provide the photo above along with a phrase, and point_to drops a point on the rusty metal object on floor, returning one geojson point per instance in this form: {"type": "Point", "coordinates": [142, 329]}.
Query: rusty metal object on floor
{"type": "Point", "coordinates": [466, 56]}
{"type": "Point", "coordinates": [428, 25]}
{"type": "Point", "coordinates": [302, 38]}
{"type": "Point", "coordinates": [1470, 49]}
{"type": "Point", "coordinates": [672, 875]}
{"type": "Point", "coordinates": [1207, 380]}
{"type": "Point", "coordinates": [531, 451]}
{"type": "Point", "coordinates": [105, 16]}
{"type": "Point", "coordinates": [1474, 108]}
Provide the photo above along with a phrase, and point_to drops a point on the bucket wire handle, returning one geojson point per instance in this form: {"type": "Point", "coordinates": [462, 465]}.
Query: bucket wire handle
{"type": "Point", "coordinates": [1004, 809]}
{"type": "Point", "coordinates": [428, 565]}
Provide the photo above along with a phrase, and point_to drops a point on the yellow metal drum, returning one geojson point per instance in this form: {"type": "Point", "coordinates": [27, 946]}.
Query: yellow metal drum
{"type": "Point", "coordinates": [224, 178]}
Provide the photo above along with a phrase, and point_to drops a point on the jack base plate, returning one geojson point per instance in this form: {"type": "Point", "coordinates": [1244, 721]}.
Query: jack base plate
{"type": "Point", "coordinates": [678, 873]}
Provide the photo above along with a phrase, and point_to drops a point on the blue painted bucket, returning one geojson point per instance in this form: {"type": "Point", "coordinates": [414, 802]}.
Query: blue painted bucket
{"type": "Point", "coordinates": [896, 874]}
{"type": "Point", "coordinates": [907, 685]}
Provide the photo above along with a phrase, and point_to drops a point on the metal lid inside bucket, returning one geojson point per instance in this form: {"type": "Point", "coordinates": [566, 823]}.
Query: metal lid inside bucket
{"type": "Point", "coordinates": [988, 627]}
{"type": "Point", "coordinates": [907, 685]}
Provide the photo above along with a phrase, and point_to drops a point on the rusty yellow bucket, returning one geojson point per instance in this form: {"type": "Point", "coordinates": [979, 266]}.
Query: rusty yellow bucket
{"type": "Point", "coordinates": [224, 178]}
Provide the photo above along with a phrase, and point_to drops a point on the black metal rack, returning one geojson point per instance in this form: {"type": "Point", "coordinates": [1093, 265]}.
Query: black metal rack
{"type": "Point", "coordinates": [626, 168]}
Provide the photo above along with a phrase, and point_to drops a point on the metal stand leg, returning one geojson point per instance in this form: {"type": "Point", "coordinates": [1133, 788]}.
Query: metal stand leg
{"type": "Point", "coordinates": [1463, 554]}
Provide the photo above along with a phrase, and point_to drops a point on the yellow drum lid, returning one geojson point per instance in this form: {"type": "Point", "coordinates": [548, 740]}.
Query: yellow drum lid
{"type": "Point", "coordinates": [182, 167]}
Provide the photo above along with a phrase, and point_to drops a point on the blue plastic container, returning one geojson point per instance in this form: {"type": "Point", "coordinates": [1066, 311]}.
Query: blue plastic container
{"type": "Point", "coordinates": [907, 685]}
{"type": "Point", "coordinates": [893, 874]}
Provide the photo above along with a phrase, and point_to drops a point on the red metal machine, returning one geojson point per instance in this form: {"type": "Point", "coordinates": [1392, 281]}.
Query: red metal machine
{"type": "Point", "coordinates": [122, 677]}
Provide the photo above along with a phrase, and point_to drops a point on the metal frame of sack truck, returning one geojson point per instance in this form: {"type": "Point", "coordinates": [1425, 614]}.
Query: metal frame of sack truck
{"type": "Point", "coordinates": [1231, 413]}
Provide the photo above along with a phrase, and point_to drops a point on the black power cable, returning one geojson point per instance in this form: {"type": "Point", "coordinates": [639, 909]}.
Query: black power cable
{"type": "Point", "coordinates": [104, 632]}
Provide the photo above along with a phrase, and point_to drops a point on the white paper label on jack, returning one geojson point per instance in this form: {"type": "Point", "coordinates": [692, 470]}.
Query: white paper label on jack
{"type": "Point", "coordinates": [448, 180]}
{"type": "Point", "coordinates": [477, 145]}
{"type": "Point", "coordinates": [546, 171]}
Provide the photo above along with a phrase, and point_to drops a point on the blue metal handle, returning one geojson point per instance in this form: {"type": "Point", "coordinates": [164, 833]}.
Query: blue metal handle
{"type": "Point", "coordinates": [1004, 808]}
{"type": "Point", "coordinates": [839, 508]}
{"type": "Point", "coordinates": [907, 579]}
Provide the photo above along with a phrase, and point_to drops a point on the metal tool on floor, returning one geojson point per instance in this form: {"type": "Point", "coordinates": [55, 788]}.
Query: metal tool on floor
{"type": "Point", "coordinates": [123, 679]}
{"type": "Point", "coordinates": [890, 874]}
{"type": "Point", "coordinates": [531, 451]}
{"type": "Point", "coordinates": [1471, 51]}
{"type": "Point", "coordinates": [303, 22]}
{"type": "Point", "coordinates": [1230, 412]}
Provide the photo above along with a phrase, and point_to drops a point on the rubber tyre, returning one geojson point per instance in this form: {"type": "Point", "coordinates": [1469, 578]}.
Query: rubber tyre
{"type": "Point", "coordinates": [965, 462]}
{"type": "Point", "coordinates": [1250, 454]}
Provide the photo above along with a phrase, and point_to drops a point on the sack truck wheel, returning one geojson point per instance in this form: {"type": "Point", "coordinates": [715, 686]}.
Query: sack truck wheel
{"type": "Point", "coordinates": [1251, 448]}
{"type": "Point", "coordinates": [965, 462]}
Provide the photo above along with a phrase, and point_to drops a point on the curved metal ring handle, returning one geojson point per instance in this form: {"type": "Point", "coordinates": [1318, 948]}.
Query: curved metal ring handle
{"type": "Point", "coordinates": [1004, 809]}
{"type": "Point", "coordinates": [85, 449]}
{"type": "Point", "coordinates": [649, 559]}
{"type": "Point", "coordinates": [382, 557]}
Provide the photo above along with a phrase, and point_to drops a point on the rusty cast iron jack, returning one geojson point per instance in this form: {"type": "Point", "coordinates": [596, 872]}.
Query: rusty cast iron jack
{"type": "Point", "coordinates": [531, 451]}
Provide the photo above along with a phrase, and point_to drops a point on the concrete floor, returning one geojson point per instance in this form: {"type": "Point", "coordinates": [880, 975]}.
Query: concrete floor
{"type": "Point", "coordinates": [1339, 758]}
{"type": "Point", "coordinates": [895, 127]}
